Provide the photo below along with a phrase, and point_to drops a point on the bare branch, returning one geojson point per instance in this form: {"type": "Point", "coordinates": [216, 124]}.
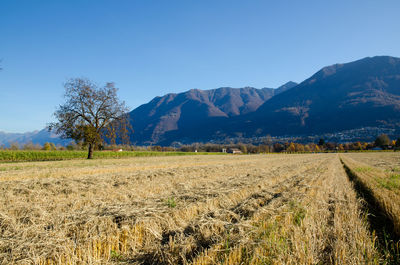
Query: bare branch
{"type": "Point", "coordinates": [88, 110]}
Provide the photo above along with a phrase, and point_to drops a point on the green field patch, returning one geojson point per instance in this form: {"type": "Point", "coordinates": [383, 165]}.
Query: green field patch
{"type": "Point", "coordinates": [23, 156]}
{"type": "Point", "coordinates": [393, 170]}
{"type": "Point", "coordinates": [362, 169]}
{"type": "Point", "coordinates": [391, 183]}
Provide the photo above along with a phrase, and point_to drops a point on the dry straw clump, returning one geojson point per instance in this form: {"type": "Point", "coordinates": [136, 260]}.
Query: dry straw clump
{"type": "Point", "coordinates": [261, 209]}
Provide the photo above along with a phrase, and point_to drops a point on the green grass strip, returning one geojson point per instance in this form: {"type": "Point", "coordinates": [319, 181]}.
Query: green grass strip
{"type": "Point", "coordinates": [21, 156]}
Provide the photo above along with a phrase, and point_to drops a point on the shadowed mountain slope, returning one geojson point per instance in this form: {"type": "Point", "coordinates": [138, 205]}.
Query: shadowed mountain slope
{"type": "Point", "coordinates": [364, 93]}
{"type": "Point", "coordinates": [338, 97]}
{"type": "Point", "coordinates": [183, 112]}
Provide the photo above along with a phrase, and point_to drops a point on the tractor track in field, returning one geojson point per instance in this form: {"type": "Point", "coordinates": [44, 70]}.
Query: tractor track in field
{"type": "Point", "coordinates": [380, 221]}
{"type": "Point", "coordinates": [232, 220]}
{"type": "Point", "coordinates": [198, 193]}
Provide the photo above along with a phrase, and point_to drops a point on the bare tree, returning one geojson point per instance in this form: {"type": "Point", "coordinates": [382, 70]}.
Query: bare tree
{"type": "Point", "coordinates": [89, 113]}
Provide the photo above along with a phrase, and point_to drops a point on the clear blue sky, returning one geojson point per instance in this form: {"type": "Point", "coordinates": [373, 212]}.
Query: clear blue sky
{"type": "Point", "coordinates": [150, 48]}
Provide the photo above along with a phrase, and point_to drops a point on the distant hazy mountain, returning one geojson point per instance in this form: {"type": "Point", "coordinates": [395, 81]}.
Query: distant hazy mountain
{"type": "Point", "coordinates": [36, 137]}
{"type": "Point", "coordinates": [183, 112]}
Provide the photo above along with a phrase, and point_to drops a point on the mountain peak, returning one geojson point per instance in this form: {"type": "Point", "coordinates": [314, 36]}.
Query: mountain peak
{"type": "Point", "coordinates": [286, 86]}
{"type": "Point", "coordinates": [179, 113]}
{"type": "Point", "coordinates": [368, 66]}
{"type": "Point", "coordinates": [345, 96]}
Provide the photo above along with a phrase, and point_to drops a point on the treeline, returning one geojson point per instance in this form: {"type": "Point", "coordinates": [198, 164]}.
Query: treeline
{"type": "Point", "coordinates": [382, 142]}
{"type": "Point", "coordinates": [288, 147]}
{"type": "Point", "coordinates": [31, 146]}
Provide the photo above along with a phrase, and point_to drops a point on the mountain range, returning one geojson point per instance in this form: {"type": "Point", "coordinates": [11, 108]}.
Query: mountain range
{"type": "Point", "coordinates": [338, 98]}
{"type": "Point", "coordinates": [364, 93]}
{"type": "Point", "coordinates": [35, 137]}
{"type": "Point", "coordinates": [180, 113]}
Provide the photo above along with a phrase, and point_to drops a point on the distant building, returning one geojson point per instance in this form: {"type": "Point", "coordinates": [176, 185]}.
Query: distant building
{"type": "Point", "coordinates": [223, 150]}
{"type": "Point", "coordinates": [234, 151]}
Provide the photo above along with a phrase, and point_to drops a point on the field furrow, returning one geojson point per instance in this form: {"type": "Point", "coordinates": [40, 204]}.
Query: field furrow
{"type": "Point", "coordinates": [225, 213]}
{"type": "Point", "coordinates": [380, 187]}
{"type": "Point", "coordinates": [310, 223]}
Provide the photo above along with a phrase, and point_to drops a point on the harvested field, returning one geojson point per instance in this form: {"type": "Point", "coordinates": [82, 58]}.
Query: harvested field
{"type": "Point", "coordinates": [258, 209]}
{"type": "Point", "coordinates": [377, 179]}
{"type": "Point", "coordinates": [389, 161]}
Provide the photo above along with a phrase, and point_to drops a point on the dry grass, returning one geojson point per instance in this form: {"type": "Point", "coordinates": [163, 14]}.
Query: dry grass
{"type": "Point", "coordinates": [261, 209]}
{"type": "Point", "coordinates": [378, 179]}
{"type": "Point", "coordinates": [387, 161]}
{"type": "Point", "coordinates": [315, 221]}
{"type": "Point", "coordinates": [383, 183]}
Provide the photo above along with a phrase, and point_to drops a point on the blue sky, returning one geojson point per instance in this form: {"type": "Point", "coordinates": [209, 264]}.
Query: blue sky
{"type": "Point", "coordinates": [150, 48]}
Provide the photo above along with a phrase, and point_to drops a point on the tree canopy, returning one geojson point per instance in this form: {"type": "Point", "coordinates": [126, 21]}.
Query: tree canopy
{"type": "Point", "coordinates": [382, 141]}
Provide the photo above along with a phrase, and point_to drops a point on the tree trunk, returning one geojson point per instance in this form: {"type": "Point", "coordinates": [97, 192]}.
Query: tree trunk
{"type": "Point", "coordinates": [90, 154]}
